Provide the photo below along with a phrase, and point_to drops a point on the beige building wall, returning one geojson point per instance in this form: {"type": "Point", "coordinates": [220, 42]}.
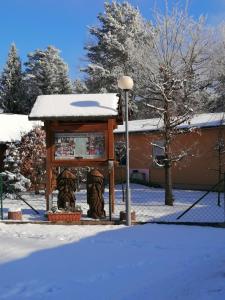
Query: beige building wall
{"type": "Point", "coordinates": [197, 170]}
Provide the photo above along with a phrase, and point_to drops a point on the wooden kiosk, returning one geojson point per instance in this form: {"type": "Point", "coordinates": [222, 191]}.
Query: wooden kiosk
{"type": "Point", "coordinates": [79, 133]}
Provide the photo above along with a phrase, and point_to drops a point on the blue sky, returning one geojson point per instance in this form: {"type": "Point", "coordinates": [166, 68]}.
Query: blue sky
{"type": "Point", "coordinates": [33, 24]}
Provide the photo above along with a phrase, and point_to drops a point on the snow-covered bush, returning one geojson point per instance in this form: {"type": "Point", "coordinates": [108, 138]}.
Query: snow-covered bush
{"type": "Point", "coordinates": [13, 180]}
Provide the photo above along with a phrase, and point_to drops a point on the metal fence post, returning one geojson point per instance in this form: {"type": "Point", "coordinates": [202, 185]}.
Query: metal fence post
{"type": "Point", "coordinates": [1, 200]}
{"type": "Point", "coordinates": [224, 194]}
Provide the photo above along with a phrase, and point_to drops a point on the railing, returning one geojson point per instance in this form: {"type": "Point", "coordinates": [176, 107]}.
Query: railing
{"type": "Point", "coordinates": [18, 196]}
{"type": "Point", "coordinates": [147, 202]}
{"type": "Point", "coordinates": [222, 181]}
{"type": "Point", "coordinates": [1, 196]}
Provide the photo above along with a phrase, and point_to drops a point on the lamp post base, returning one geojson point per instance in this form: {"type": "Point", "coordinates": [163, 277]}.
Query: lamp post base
{"type": "Point", "coordinates": [123, 216]}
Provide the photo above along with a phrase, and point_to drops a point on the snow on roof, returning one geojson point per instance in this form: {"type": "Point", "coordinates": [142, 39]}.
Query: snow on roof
{"type": "Point", "coordinates": [199, 121]}
{"type": "Point", "coordinates": [12, 126]}
{"type": "Point", "coordinates": [74, 106]}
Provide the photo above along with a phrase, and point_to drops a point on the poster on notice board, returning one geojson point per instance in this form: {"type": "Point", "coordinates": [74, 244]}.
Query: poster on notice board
{"type": "Point", "coordinates": [79, 145]}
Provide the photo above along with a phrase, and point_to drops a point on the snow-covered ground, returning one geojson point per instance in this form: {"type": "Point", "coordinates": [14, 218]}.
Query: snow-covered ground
{"type": "Point", "coordinates": [160, 262]}
{"type": "Point", "coordinates": [148, 203]}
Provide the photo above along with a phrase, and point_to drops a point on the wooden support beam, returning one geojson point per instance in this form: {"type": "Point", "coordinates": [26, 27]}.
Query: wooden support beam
{"type": "Point", "coordinates": [110, 139]}
{"type": "Point", "coordinates": [112, 188]}
{"type": "Point", "coordinates": [79, 163]}
{"type": "Point", "coordinates": [49, 146]}
{"type": "Point", "coordinates": [111, 156]}
{"type": "Point", "coordinates": [76, 127]}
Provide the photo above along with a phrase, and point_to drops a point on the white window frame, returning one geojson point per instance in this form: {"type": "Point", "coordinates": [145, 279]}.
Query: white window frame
{"type": "Point", "coordinates": [158, 150]}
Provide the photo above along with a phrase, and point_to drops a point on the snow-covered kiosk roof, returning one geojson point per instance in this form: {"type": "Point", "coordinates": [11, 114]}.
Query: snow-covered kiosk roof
{"type": "Point", "coordinates": [75, 107]}
{"type": "Point", "coordinates": [12, 126]}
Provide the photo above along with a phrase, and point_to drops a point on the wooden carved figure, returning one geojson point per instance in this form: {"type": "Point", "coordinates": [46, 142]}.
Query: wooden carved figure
{"type": "Point", "coordinates": [66, 185]}
{"type": "Point", "coordinates": [95, 190]}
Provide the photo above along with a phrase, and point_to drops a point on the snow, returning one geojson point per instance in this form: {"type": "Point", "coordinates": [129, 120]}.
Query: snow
{"type": "Point", "coordinates": [198, 121]}
{"type": "Point", "coordinates": [74, 106]}
{"type": "Point", "coordinates": [12, 126]}
{"type": "Point", "coordinates": [111, 262]}
{"type": "Point", "coordinates": [16, 209]}
{"type": "Point", "coordinates": [42, 261]}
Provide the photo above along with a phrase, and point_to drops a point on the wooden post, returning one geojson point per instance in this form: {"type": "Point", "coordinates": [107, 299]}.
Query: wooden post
{"type": "Point", "coordinates": [112, 188]}
{"type": "Point", "coordinates": [111, 156]}
{"type": "Point", "coordinates": [49, 144]}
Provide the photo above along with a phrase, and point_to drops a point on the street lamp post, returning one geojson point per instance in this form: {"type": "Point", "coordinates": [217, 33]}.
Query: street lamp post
{"type": "Point", "coordinates": [126, 83]}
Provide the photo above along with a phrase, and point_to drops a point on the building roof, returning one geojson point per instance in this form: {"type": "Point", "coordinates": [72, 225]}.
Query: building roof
{"type": "Point", "coordinates": [155, 124]}
{"type": "Point", "coordinates": [12, 126]}
{"type": "Point", "coordinates": [75, 106]}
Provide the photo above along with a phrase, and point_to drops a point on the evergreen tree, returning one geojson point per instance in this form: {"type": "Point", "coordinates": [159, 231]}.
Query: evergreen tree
{"type": "Point", "coordinates": [111, 54]}
{"type": "Point", "coordinates": [13, 180]}
{"type": "Point", "coordinates": [79, 87]}
{"type": "Point", "coordinates": [12, 95]}
{"type": "Point", "coordinates": [46, 73]}
{"type": "Point", "coordinates": [12, 158]}
{"type": "Point", "coordinates": [64, 83]}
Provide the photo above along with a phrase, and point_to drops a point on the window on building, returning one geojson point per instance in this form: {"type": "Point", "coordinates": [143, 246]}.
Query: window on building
{"type": "Point", "coordinates": [120, 152]}
{"type": "Point", "coordinates": [158, 153]}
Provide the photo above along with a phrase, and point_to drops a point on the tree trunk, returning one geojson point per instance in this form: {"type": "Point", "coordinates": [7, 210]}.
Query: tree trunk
{"type": "Point", "coordinates": [167, 161]}
{"type": "Point", "coordinates": [168, 185]}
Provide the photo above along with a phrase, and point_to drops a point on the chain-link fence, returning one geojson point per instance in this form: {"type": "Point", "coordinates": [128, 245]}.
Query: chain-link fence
{"type": "Point", "coordinates": [148, 203]}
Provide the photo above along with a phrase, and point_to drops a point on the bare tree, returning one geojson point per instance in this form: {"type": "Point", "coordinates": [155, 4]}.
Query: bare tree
{"type": "Point", "coordinates": [173, 73]}
{"type": "Point", "coordinates": [220, 151]}
{"type": "Point", "coordinates": [216, 67]}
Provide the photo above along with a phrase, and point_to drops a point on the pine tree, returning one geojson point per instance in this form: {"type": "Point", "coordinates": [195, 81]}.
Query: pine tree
{"type": "Point", "coordinates": [12, 158]}
{"type": "Point", "coordinates": [12, 95]}
{"type": "Point", "coordinates": [111, 54]}
{"type": "Point", "coordinates": [79, 87]}
{"type": "Point", "coordinates": [46, 73]}
{"type": "Point", "coordinates": [64, 83]}
{"type": "Point", "coordinates": [13, 180]}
